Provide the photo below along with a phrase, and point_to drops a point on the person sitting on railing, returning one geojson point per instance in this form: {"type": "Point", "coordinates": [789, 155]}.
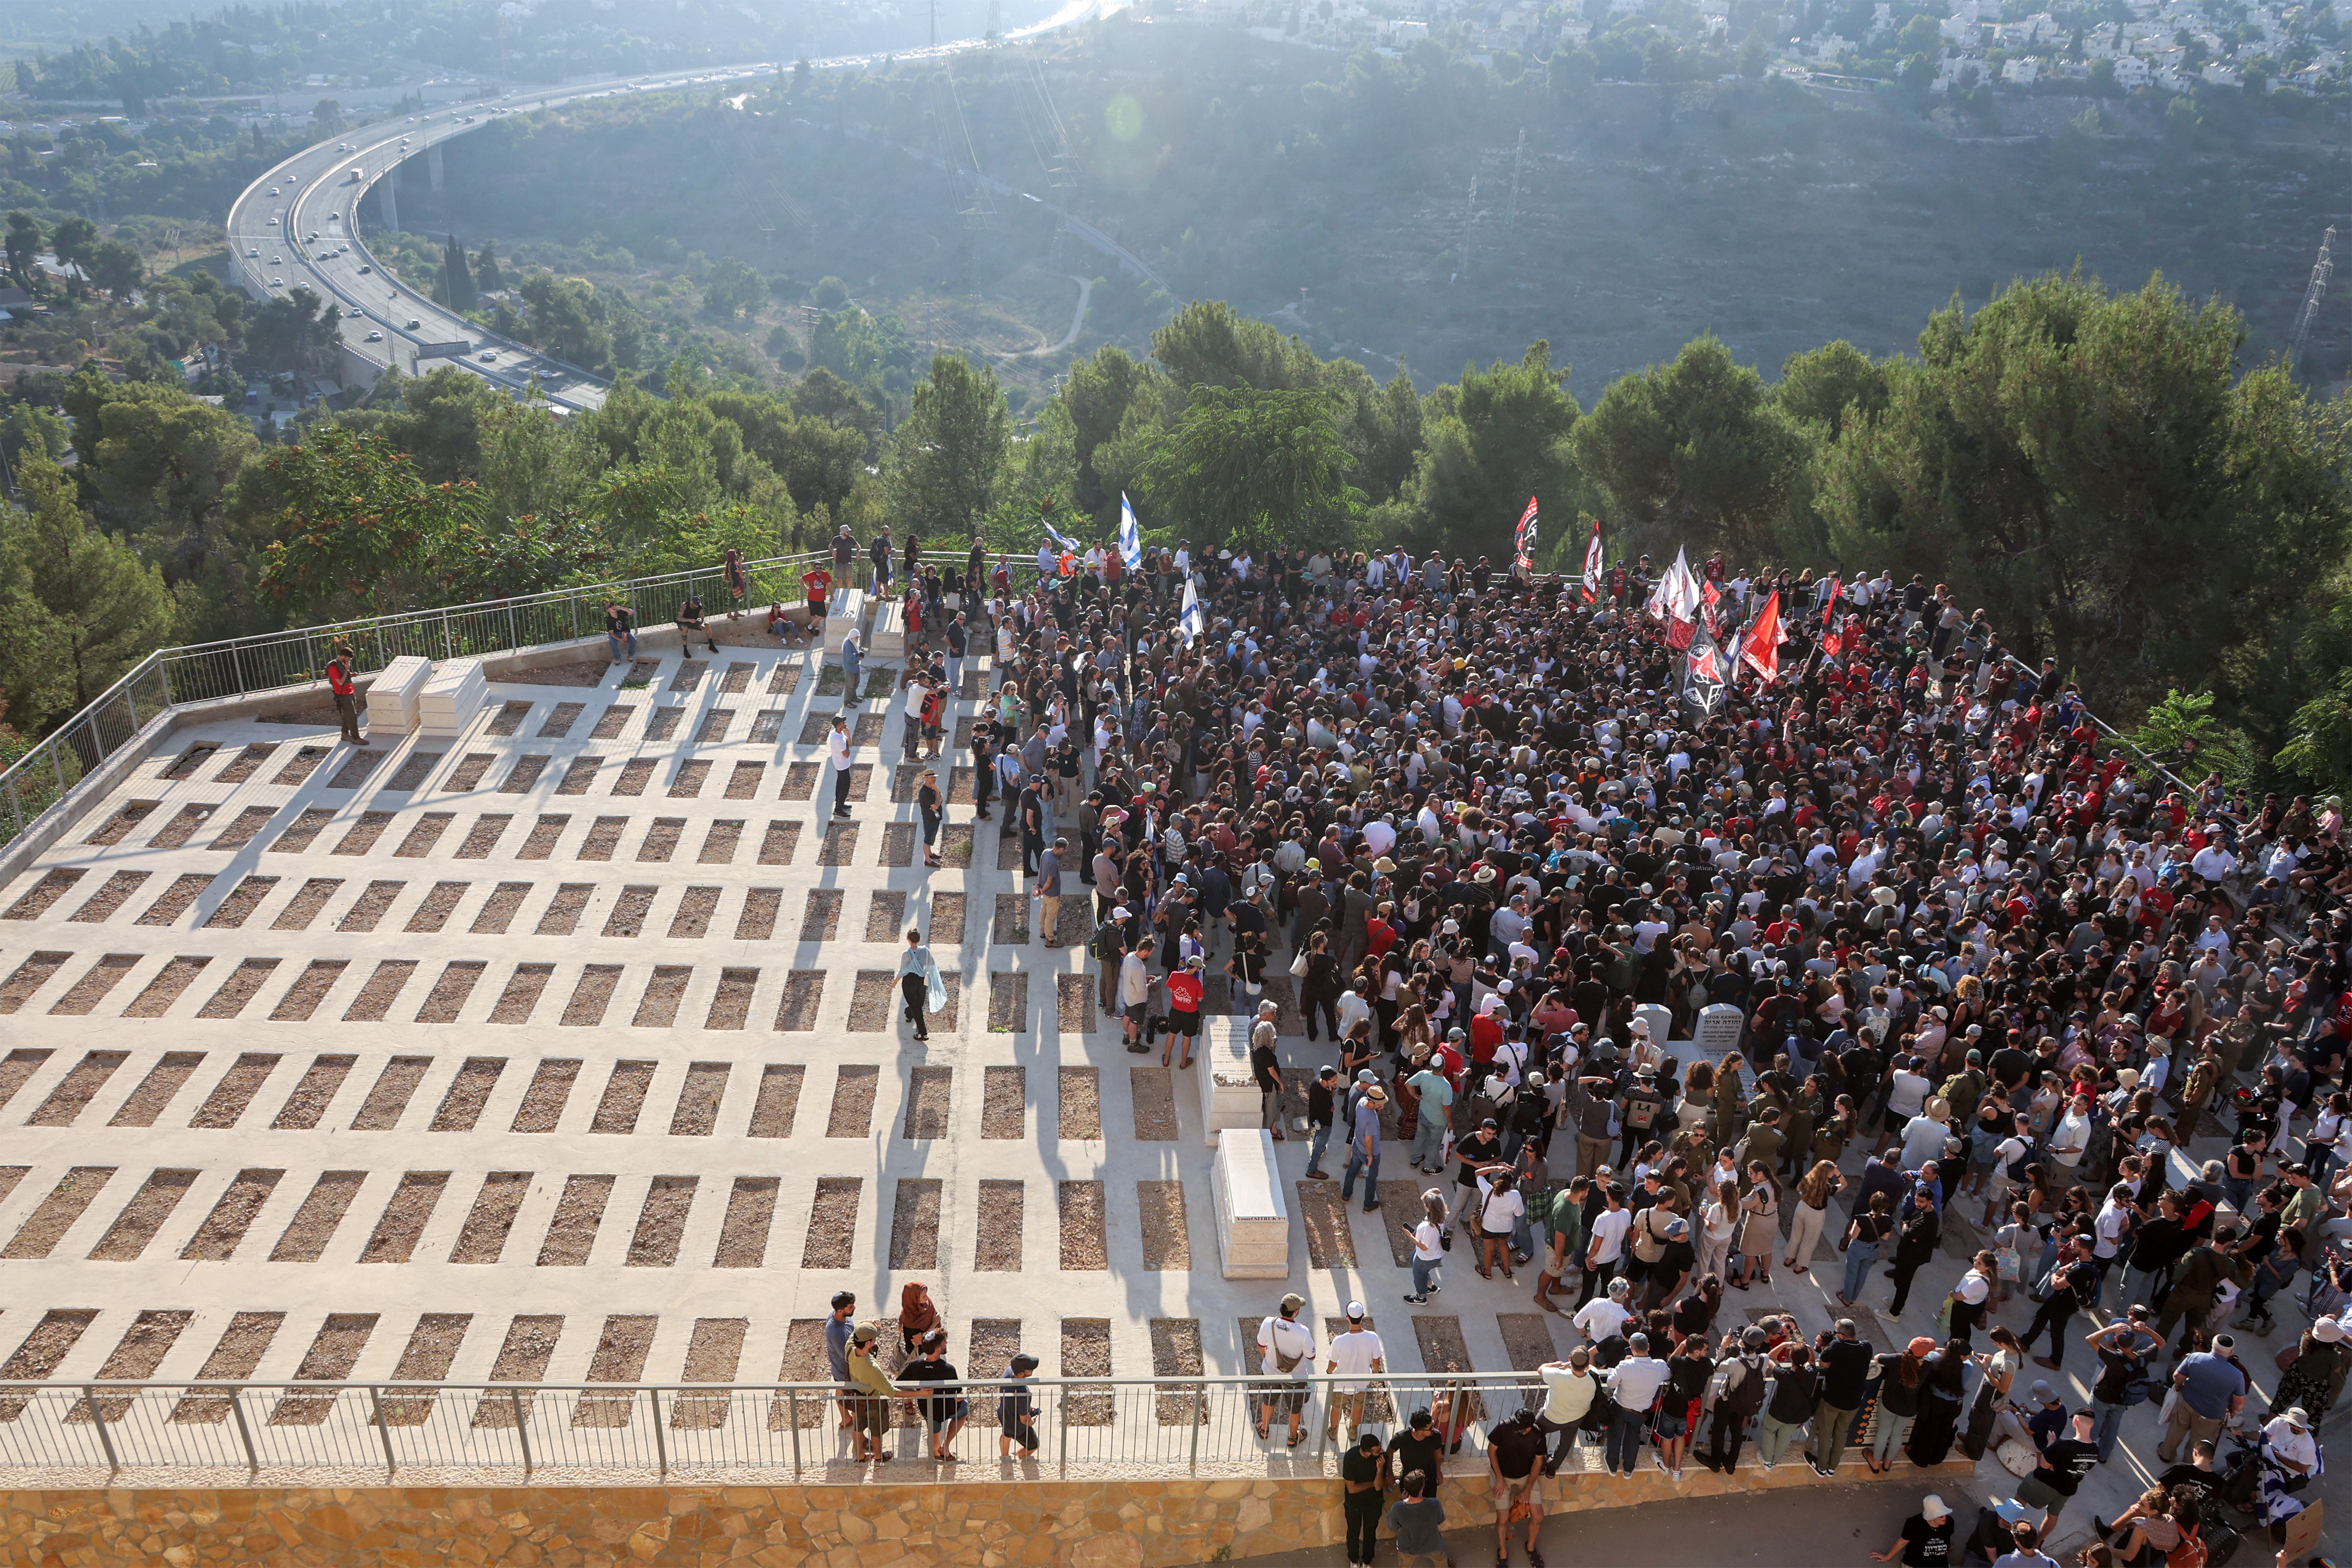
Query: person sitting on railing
{"type": "Point", "coordinates": [619, 628]}
{"type": "Point", "coordinates": [691, 620]}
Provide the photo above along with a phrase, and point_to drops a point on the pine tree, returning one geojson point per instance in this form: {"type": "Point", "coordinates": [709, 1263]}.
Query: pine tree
{"type": "Point", "coordinates": [460, 278]}
{"type": "Point", "coordinates": [486, 270]}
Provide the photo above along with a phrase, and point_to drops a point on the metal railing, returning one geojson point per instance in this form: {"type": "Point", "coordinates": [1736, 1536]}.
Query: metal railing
{"type": "Point", "coordinates": [1158, 1425]}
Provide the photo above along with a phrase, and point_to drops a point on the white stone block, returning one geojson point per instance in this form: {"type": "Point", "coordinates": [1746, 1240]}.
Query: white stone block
{"type": "Point", "coordinates": [847, 610]}
{"type": "Point", "coordinates": [1253, 1220]}
{"type": "Point", "coordinates": [1660, 1021]}
{"type": "Point", "coordinates": [449, 700]}
{"type": "Point", "coordinates": [889, 637]}
{"type": "Point", "coordinates": [395, 696]}
{"type": "Point", "coordinates": [1229, 1093]}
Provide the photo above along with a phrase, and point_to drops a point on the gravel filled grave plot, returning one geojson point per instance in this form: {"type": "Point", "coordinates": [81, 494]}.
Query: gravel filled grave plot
{"type": "Point", "coordinates": [439, 906]}
{"type": "Point", "coordinates": [624, 1098]}
{"type": "Point", "coordinates": [736, 676]}
{"type": "Point", "coordinates": [713, 1352]}
{"type": "Point", "coordinates": [603, 837]}
{"type": "Point", "coordinates": [9, 1176]}
{"type": "Point", "coordinates": [306, 1106]}
{"type": "Point", "coordinates": [695, 907]}
{"type": "Point", "coordinates": [232, 1216]}
{"type": "Point", "coordinates": [662, 724]}
{"type": "Point", "coordinates": [800, 780]}
{"type": "Point", "coordinates": [833, 1223]}
{"type": "Point", "coordinates": [629, 910]}
{"type": "Point", "coordinates": [521, 995]}
{"type": "Point", "coordinates": [183, 825]}
{"type": "Point", "coordinates": [498, 911]}
{"type": "Point", "coordinates": [1400, 1212]}
{"type": "Point", "coordinates": [135, 1357]}
{"type": "Point", "coordinates": [244, 983]}
{"type": "Point", "coordinates": [461, 1103]}
{"type": "Point", "coordinates": [302, 764]}
{"type": "Point", "coordinates": [573, 672]}
{"type": "Point", "coordinates": [1443, 1350]}
{"type": "Point", "coordinates": [898, 844]}
{"type": "Point", "coordinates": [115, 893]}
{"type": "Point", "coordinates": [47, 1346]}
{"type": "Point", "coordinates": [310, 989]}
{"type": "Point", "coordinates": [635, 773]}
{"type": "Point", "coordinates": [1086, 1353]}
{"type": "Point", "coordinates": [17, 1067]}
{"type": "Point", "coordinates": [657, 1008]}
{"type": "Point", "coordinates": [431, 1349]}
{"type": "Point", "coordinates": [303, 831]}
{"type": "Point", "coordinates": [861, 779]}
{"type": "Point", "coordinates": [425, 835]}
{"type": "Point", "coordinates": [779, 1100]}
{"type": "Point", "coordinates": [1078, 1116]}
{"type": "Point", "coordinates": [542, 1102]}
{"type": "Point", "coordinates": [928, 1092]}
{"type": "Point", "coordinates": [915, 1224]}
{"type": "Point", "coordinates": [743, 780]}
{"type": "Point", "coordinates": [840, 845]}
{"type": "Point", "coordinates": [784, 679]}
{"type": "Point", "coordinates": [447, 997]}
{"type": "Point", "coordinates": [820, 920]}
{"type": "Point", "coordinates": [686, 783]}
{"type": "Point", "coordinates": [571, 1234]}
{"type": "Point", "coordinates": [612, 720]}
{"type": "Point", "coordinates": [483, 837]}
{"type": "Point", "coordinates": [382, 987]}
{"type": "Point", "coordinates": [163, 1080]}
{"type": "Point", "coordinates": [1008, 844]}
{"type": "Point", "coordinates": [1527, 1339]}
{"type": "Point", "coordinates": [719, 841]}
{"type": "Point", "coordinates": [242, 900]}
{"type": "Point", "coordinates": [578, 775]}
{"type": "Point", "coordinates": [314, 1224]}
{"type": "Point", "coordinates": [731, 1004]}
{"type": "Point", "coordinates": [1329, 1243]}
{"type": "Point", "coordinates": [854, 1087]}
{"type": "Point", "coordinates": [756, 922]}
{"type": "Point", "coordinates": [102, 977]}
{"type": "Point", "coordinates": [246, 762]}
{"type": "Point", "coordinates": [240, 1349]}
{"type": "Point", "coordinates": [713, 728]}
{"type": "Point", "coordinates": [947, 920]}
{"type": "Point", "coordinates": [867, 731]}
{"type": "Point", "coordinates": [767, 725]}
{"type": "Point", "coordinates": [661, 1222]}
{"type": "Point", "coordinates": [1380, 1408]}
{"type": "Point", "coordinates": [1153, 1093]}
{"type": "Point", "coordinates": [873, 1002]}
{"type": "Point", "coordinates": [142, 1216]}
{"type": "Point", "coordinates": [230, 1097]}
{"type": "Point", "coordinates": [241, 830]}
{"type": "Point", "coordinates": [744, 1234]}
{"type": "Point", "coordinates": [544, 834]}
{"type": "Point", "coordinates": [688, 676]}
{"type": "Point", "coordinates": [1008, 1002]}
{"type": "Point", "coordinates": [1073, 1002]}
{"type": "Point", "coordinates": [696, 1114]}
{"type": "Point", "coordinates": [886, 917]}
{"type": "Point", "coordinates": [997, 1244]}
{"type": "Point", "coordinates": [778, 844]}
{"type": "Point", "coordinates": [955, 845]}
{"type": "Point", "coordinates": [1167, 1242]}
{"type": "Point", "coordinates": [393, 1087]}
{"type": "Point", "coordinates": [1084, 1244]}
{"type": "Point", "coordinates": [170, 906]}
{"type": "Point", "coordinates": [660, 841]}
{"type": "Point", "coordinates": [562, 912]}
{"type": "Point", "coordinates": [470, 770]}
{"type": "Point", "coordinates": [803, 1361]}
{"type": "Point", "coordinates": [56, 1212]}
{"type": "Point", "coordinates": [308, 901]}
{"type": "Point", "coordinates": [414, 770]}
{"type": "Point", "coordinates": [509, 718]}
{"type": "Point", "coordinates": [115, 828]}
{"type": "Point", "coordinates": [1176, 1352]}
{"type": "Point", "coordinates": [524, 774]}
{"type": "Point", "coordinates": [372, 907]}
{"type": "Point", "coordinates": [559, 720]}
{"type": "Point", "coordinates": [591, 995]}
{"type": "Point", "coordinates": [78, 1088]}
{"type": "Point", "coordinates": [816, 726]}
{"type": "Point", "coordinates": [523, 1356]}
{"type": "Point", "coordinates": [356, 768]}
{"type": "Point", "coordinates": [1282, 989]}
{"type": "Point", "coordinates": [796, 1009]}
{"type": "Point", "coordinates": [1004, 1102]}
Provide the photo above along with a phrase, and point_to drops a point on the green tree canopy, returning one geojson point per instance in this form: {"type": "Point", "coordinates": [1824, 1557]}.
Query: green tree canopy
{"type": "Point", "coordinates": [1256, 468]}
{"type": "Point", "coordinates": [949, 454]}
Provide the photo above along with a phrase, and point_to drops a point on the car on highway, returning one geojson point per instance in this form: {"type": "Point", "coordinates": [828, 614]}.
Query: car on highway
{"type": "Point", "coordinates": [273, 223]}
{"type": "Point", "coordinates": [273, 190]}
{"type": "Point", "coordinates": [277, 282]}
{"type": "Point", "coordinates": [366, 269]}
{"type": "Point", "coordinates": [255, 254]}
{"type": "Point", "coordinates": [355, 313]}
{"type": "Point", "coordinates": [277, 261]}
{"type": "Point", "coordinates": [375, 337]}
{"type": "Point", "coordinates": [414, 323]}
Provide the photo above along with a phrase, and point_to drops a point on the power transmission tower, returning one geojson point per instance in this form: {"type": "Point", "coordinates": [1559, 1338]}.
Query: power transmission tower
{"type": "Point", "coordinates": [1511, 214]}
{"type": "Point", "coordinates": [2320, 269]}
{"type": "Point", "coordinates": [996, 20]}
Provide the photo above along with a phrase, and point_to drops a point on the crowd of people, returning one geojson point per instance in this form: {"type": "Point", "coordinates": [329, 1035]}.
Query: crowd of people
{"type": "Point", "coordinates": [1976, 978]}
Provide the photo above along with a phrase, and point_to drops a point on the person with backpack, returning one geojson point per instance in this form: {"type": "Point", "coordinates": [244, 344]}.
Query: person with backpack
{"type": "Point", "coordinates": [1639, 1107]}
{"type": "Point", "coordinates": [2124, 1348]}
{"type": "Point", "coordinates": [1737, 1398]}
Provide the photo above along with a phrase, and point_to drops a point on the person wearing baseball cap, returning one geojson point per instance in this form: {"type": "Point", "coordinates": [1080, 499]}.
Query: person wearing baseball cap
{"type": "Point", "coordinates": [1926, 1538]}
{"type": "Point", "coordinates": [1285, 1348]}
{"type": "Point", "coordinates": [871, 1403]}
{"type": "Point", "coordinates": [1353, 1357]}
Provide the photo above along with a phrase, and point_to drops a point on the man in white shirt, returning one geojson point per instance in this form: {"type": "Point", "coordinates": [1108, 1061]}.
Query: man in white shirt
{"type": "Point", "coordinates": [2069, 1139]}
{"type": "Point", "coordinates": [2287, 1440]}
{"type": "Point", "coordinates": [837, 744]}
{"type": "Point", "coordinates": [1605, 1317]}
{"type": "Point", "coordinates": [1135, 982]}
{"type": "Point", "coordinates": [1570, 1387]}
{"type": "Point", "coordinates": [1633, 1385]}
{"type": "Point", "coordinates": [1285, 1348]}
{"type": "Point", "coordinates": [2213, 862]}
{"type": "Point", "coordinates": [1354, 1356]}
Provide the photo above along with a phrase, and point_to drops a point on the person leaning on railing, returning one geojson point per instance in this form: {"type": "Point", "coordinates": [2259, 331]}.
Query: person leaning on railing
{"type": "Point", "coordinates": [870, 1406]}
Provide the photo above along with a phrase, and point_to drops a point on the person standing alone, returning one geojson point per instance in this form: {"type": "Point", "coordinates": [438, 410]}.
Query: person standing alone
{"type": "Point", "coordinates": [346, 691]}
{"type": "Point", "coordinates": [837, 745]}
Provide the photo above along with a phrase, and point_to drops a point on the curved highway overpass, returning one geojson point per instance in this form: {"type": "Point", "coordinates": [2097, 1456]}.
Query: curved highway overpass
{"type": "Point", "coordinates": [297, 226]}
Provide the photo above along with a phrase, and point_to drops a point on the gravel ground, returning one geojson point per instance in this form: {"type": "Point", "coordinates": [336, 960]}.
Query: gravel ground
{"type": "Point", "coordinates": [1082, 1241]}
{"type": "Point", "coordinates": [308, 1104]}
{"type": "Point", "coordinates": [380, 1113]}
{"type": "Point", "coordinates": [886, 917]}
{"type": "Point", "coordinates": [529, 1344]}
{"type": "Point", "coordinates": [750, 1210]}
{"type": "Point", "coordinates": [44, 1348]}
{"type": "Point", "coordinates": [687, 781]}
{"type": "Point", "coordinates": [660, 841]}
{"type": "Point", "coordinates": [578, 1214]}
{"type": "Point", "coordinates": [800, 780]}
{"type": "Point", "coordinates": [541, 1109]}
{"type": "Point", "coordinates": [657, 1008]}
{"type": "Point", "coordinates": [695, 907]}
{"type": "Point", "coordinates": [16, 1069]}
{"type": "Point", "coordinates": [662, 724]}
{"type": "Point", "coordinates": [371, 907]}
{"type": "Point", "coordinates": [994, 1343]}
{"type": "Point", "coordinates": [1004, 1102]}
{"type": "Point", "coordinates": [245, 765]}
{"type": "Point", "coordinates": [509, 718]}
{"type": "Point", "coordinates": [484, 1238]}
{"type": "Point", "coordinates": [356, 768]}
{"type": "Point", "coordinates": [578, 775]}
{"type": "Point", "coordinates": [1400, 1212]}
{"type": "Point", "coordinates": [1008, 844]}
{"type": "Point", "coordinates": [461, 1103]}
{"type": "Point", "coordinates": [833, 1223]}
{"type": "Point", "coordinates": [1527, 1339]}
{"type": "Point", "coordinates": [1167, 1240]}
{"type": "Point", "coordinates": [898, 844]}
{"type": "Point", "coordinates": [661, 1224]}
{"type": "Point", "coordinates": [731, 1004]}
{"type": "Point", "coordinates": [100, 978]}
{"type": "Point", "coordinates": [575, 672]}
{"type": "Point", "coordinates": [364, 833]}
{"type": "Point", "coordinates": [110, 896]}
{"type": "Point", "coordinates": [804, 991]}
{"type": "Point", "coordinates": [136, 1356]}
{"type": "Point", "coordinates": [927, 1091]}
{"type": "Point", "coordinates": [840, 847]}
{"type": "Point", "coordinates": [784, 679]}
{"type": "Point", "coordinates": [404, 1219]}
{"type": "Point", "coordinates": [431, 1349]}
{"type": "Point", "coordinates": [629, 909]}
{"type": "Point", "coordinates": [424, 834]}
{"type": "Point", "coordinates": [1176, 1352]}
{"type": "Point", "coordinates": [470, 770]}
{"type": "Point", "coordinates": [757, 919]}
{"type": "Point", "coordinates": [743, 780]}
{"type": "Point", "coordinates": [181, 827]}
{"type": "Point", "coordinates": [142, 1216]}
{"type": "Point", "coordinates": [306, 1236]}
{"type": "Point", "coordinates": [308, 901]}
{"type": "Point", "coordinates": [821, 918]}
{"type": "Point", "coordinates": [175, 900]}
{"type": "Point", "coordinates": [163, 1080]}
{"type": "Point", "coordinates": [635, 773]}
{"type": "Point", "coordinates": [233, 1214]}
{"type": "Point", "coordinates": [851, 1115]}
{"type": "Point", "coordinates": [78, 1088]}
{"type": "Point", "coordinates": [612, 720]}
{"type": "Point", "coordinates": [624, 1098]}
{"type": "Point", "coordinates": [947, 920]}
{"type": "Point", "coordinates": [955, 845]}
{"type": "Point", "coordinates": [114, 828]}
{"type": "Point", "coordinates": [243, 983]}
{"type": "Point", "coordinates": [524, 774]}
{"type": "Point", "coordinates": [439, 904]}
{"type": "Point", "coordinates": [1329, 1243]}
{"type": "Point", "coordinates": [483, 837]}
{"type": "Point", "coordinates": [226, 1104]}
{"type": "Point", "coordinates": [1008, 1002]}
{"type": "Point", "coordinates": [414, 769]}
{"type": "Point", "coordinates": [1086, 1353]}
{"type": "Point", "coordinates": [816, 726]}
{"type": "Point", "coordinates": [915, 1224]}
{"type": "Point", "coordinates": [778, 1102]}
{"type": "Point", "coordinates": [1443, 1350]}
{"type": "Point", "coordinates": [29, 977]}
{"type": "Point", "coordinates": [447, 997]}
{"type": "Point", "coordinates": [304, 832]}
{"type": "Point", "coordinates": [712, 1354]}
{"type": "Point", "coordinates": [564, 912]}
{"type": "Point", "coordinates": [1153, 1091]}
{"type": "Point", "coordinates": [381, 988]}
{"type": "Point", "coordinates": [521, 995]}
{"type": "Point", "coordinates": [712, 729]}
{"type": "Point", "coordinates": [719, 843]}
{"type": "Point", "coordinates": [306, 759]}
{"type": "Point", "coordinates": [1079, 1114]}
{"type": "Point", "coordinates": [240, 1349]}
{"type": "Point", "coordinates": [559, 720]}
{"type": "Point", "coordinates": [603, 837]}
{"type": "Point", "coordinates": [997, 1243]}
{"type": "Point", "coordinates": [736, 676]}
{"type": "Point", "coordinates": [1011, 927]}
{"type": "Point", "coordinates": [498, 911]}
{"type": "Point", "coordinates": [235, 836]}
{"type": "Point", "coordinates": [622, 1346]}
{"type": "Point", "coordinates": [696, 1114]}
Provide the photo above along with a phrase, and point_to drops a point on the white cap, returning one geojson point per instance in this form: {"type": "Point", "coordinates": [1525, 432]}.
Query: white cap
{"type": "Point", "coordinates": [1356, 1310]}
{"type": "Point", "coordinates": [1933, 1507]}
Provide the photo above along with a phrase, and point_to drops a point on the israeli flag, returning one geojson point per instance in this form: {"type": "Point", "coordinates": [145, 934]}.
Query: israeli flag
{"type": "Point", "coordinates": [1130, 537]}
{"type": "Point", "coordinates": [1062, 541]}
{"type": "Point", "coordinates": [1192, 620]}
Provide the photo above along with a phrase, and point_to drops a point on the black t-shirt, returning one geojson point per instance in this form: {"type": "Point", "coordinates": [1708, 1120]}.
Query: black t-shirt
{"type": "Point", "coordinates": [2065, 1464]}
{"type": "Point", "coordinates": [1356, 1465]}
{"type": "Point", "coordinates": [1426, 1455]}
{"type": "Point", "coordinates": [1846, 1368]}
{"type": "Point", "coordinates": [941, 1407]}
{"type": "Point", "coordinates": [1926, 1545]}
{"type": "Point", "coordinates": [2186, 1479]}
{"type": "Point", "coordinates": [1515, 1447]}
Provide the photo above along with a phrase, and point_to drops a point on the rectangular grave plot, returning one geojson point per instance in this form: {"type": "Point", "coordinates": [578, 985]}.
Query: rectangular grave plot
{"type": "Point", "coordinates": [1152, 1091]}
{"type": "Point", "coordinates": [861, 779]}
{"type": "Point", "coordinates": [301, 766]}
{"type": "Point", "coordinates": [796, 1009]}
{"type": "Point", "coordinates": [603, 837]}
{"type": "Point", "coordinates": [816, 726]}
{"type": "Point", "coordinates": [244, 984]}
{"type": "Point", "coordinates": [903, 780]}
{"type": "Point", "coordinates": [370, 906]}
{"type": "Point", "coordinates": [898, 844]}
{"type": "Point", "coordinates": [784, 679]}
{"type": "Point", "coordinates": [382, 989]}
{"type": "Point", "coordinates": [303, 831]}
{"type": "Point", "coordinates": [591, 995]}
{"type": "Point", "coordinates": [541, 1109]}
{"type": "Point", "coordinates": [629, 910]}
{"type": "Point", "coordinates": [661, 840]}
{"type": "Point", "coordinates": [233, 1214]}
{"type": "Point", "coordinates": [767, 727]}
{"type": "Point", "coordinates": [663, 723]}
{"type": "Point", "coordinates": [1167, 1241]}
{"type": "Point", "coordinates": [915, 1224]}
{"type": "Point", "coordinates": [509, 718]}
{"type": "Point", "coordinates": [364, 833]}
{"type": "Point", "coordinates": [820, 920]}
{"type": "Point", "coordinates": [579, 1214]}
{"type": "Point", "coordinates": [247, 762]}
{"type": "Point", "coordinates": [1074, 1004]}
{"type": "Point", "coordinates": [78, 1088]}
{"type": "Point", "coordinates": [1176, 1352]}
{"type": "Point", "coordinates": [833, 1223]}
{"type": "Point", "coordinates": [696, 1114]}
{"type": "Point", "coordinates": [117, 827]}
{"type": "Point", "coordinates": [241, 829]}
{"type": "Point", "coordinates": [1004, 1102]}
{"type": "Point", "coordinates": [635, 773]}
{"type": "Point", "coordinates": [713, 1353]}
{"type": "Point", "coordinates": [778, 843]}
{"type": "Point", "coordinates": [886, 916]}
{"type": "Point", "coordinates": [16, 1068]}
{"type": "Point", "coordinates": [687, 781]}
{"type": "Point", "coordinates": [313, 1092]}
{"type": "Point", "coordinates": [308, 901]}
{"type": "Point", "coordinates": [690, 674]}
{"type": "Point", "coordinates": [947, 920]}
{"type": "Point", "coordinates": [112, 895]}
{"type": "Point", "coordinates": [431, 1349]}
{"type": "Point", "coordinates": [498, 911]}
{"type": "Point", "coordinates": [1008, 1002]}
{"type": "Point", "coordinates": [1329, 1243]}
{"type": "Point", "coordinates": [1086, 1353]}
{"type": "Point", "coordinates": [559, 720]}
{"type": "Point", "coordinates": [872, 998]}
{"type": "Point", "coordinates": [356, 768]}
{"type": "Point", "coordinates": [731, 1004]}
{"type": "Point", "coordinates": [867, 731]}
{"type": "Point", "coordinates": [175, 901]}
{"type": "Point", "coordinates": [692, 917]}
{"type": "Point", "coordinates": [996, 1245]}
{"type": "Point", "coordinates": [142, 1216]}
{"type": "Point", "coordinates": [612, 720]}
{"type": "Point", "coordinates": [183, 825]}
{"type": "Point", "coordinates": [718, 842]}
{"type": "Point", "coordinates": [751, 1211]}
{"type": "Point", "coordinates": [622, 1349]}
{"type": "Point", "coordinates": [736, 676]}
{"type": "Point", "coordinates": [58, 1211]}
{"type": "Point", "coordinates": [394, 1087]}
{"type": "Point", "coordinates": [1008, 848]}
{"type": "Point", "coordinates": [743, 781]}
{"type": "Point", "coordinates": [624, 1098]}
{"type": "Point", "coordinates": [1444, 1350]}
{"type": "Point", "coordinates": [43, 1350]}
{"type": "Point", "coordinates": [661, 1224]}
{"type": "Point", "coordinates": [242, 900]}
{"type": "Point", "coordinates": [561, 916]}
{"type": "Point", "coordinates": [1085, 1245]}
{"type": "Point", "coordinates": [800, 780]}
{"type": "Point", "coordinates": [404, 1218]}
{"type": "Point", "coordinates": [658, 1007]}
{"type": "Point", "coordinates": [157, 1089]}
{"type": "Point", "coordinates": [803, 1361]}
{"type": "Point", "coordinates": [134, 1358]}
{"type": "Point", "coordinates": [544, 832]}
{"type": "Point", "coordinates": [927, 1090]}
{"type": "Point", "coordinates": [226, 1106]}
{"type": "Point", "coordinates": [310, 989]}
{"type": "Point", "coordinates": [524, 774]}
{"type": "Point", "coordinates": [447, 997]}
{"type": "Point", "coordinates": [713, 728]}
{"type": "Point", "coordinates": [484, 1238]}
{"type": "Point", "coordinates": [840, 847]}
{"type": "Point", "coordinates": [1078, 1116]}
{"type": "Point", "coordinates": [578, 775]}
{"type": "Point", "coordinates": [414, 770]}
{"type": "Point", "coordinates": [483, 837]}
{"type": "Point", "coordinates": [240, 1349]}
{"type": "Point", "coordinates": [321, 1213]}
{"type": "Point", "coordinates": [461, 1104]}
{"type": "Point", "coordinates": [529, 1346]}
{"type": "Point", "coordinates": [425, 835]}
{"type": "Point", "coordinates": [775, 1107]}
{"type": "Point", "coordinates": [521, 995]}
{"type": "Point", "coordinates": [102, 977]}
{"type": "Point", "coordinates": [438, 905]}
{"type": "Point", "coordinates": [853, 1101]}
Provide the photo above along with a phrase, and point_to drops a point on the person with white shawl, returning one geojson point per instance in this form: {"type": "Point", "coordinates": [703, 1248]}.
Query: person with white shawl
{"type": "Point", "coordinates": [919, 982]}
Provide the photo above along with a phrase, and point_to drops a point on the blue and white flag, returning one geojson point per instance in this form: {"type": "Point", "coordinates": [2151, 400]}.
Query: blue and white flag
{"type": "Point", "coordinates": [1062, 541]}
{"type": "Point", "coordinates": [1192, 620]}
{"type": "Point", "coordinates": [1130, 537]}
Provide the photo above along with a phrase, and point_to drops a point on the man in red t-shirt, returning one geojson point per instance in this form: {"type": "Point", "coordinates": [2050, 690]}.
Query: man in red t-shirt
{"type": "Point", "coordinates": [817, 583]}
{"type": "Point", "coordinates": [1185, 988]}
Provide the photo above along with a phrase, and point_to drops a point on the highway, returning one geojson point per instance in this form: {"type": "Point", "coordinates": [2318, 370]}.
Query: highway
{"type": "Point", "coordinates": [297, 226]}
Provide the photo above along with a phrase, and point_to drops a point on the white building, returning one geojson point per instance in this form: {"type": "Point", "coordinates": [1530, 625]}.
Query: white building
{"type": "Point", "coordinates": [2024, 72]}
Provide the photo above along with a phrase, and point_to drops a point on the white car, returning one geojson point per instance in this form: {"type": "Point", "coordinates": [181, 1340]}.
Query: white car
{"type": "Point", "coordinates": [356, 313]}
{"type": "Point", "coordinates": [277, 282]}
{"type": "Point", "coordinates": [488, 357]}
{"type": "Point", "coordinates": [364, 270]}
{"type": "Point", "coordinates": [273, 223]}
{"type": "Point", "coordinates": [375, 337]}
{"type": "Point", "coordinates": [414, 323]}
{"type": "Point", "coordinates": [277, 261]}
{"type": "Point", "coordinates": [273, 190]}
{"type": "Point", "coordinates": [255, 254]}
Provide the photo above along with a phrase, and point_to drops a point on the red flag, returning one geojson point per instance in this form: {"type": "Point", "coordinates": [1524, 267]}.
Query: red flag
{"type": "Point", "coordinates": [1524, 539]}
{"type": "Point", "coordinates": [1593, 562]}
{"type": "Point", "coordinates": [1760, 648]}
